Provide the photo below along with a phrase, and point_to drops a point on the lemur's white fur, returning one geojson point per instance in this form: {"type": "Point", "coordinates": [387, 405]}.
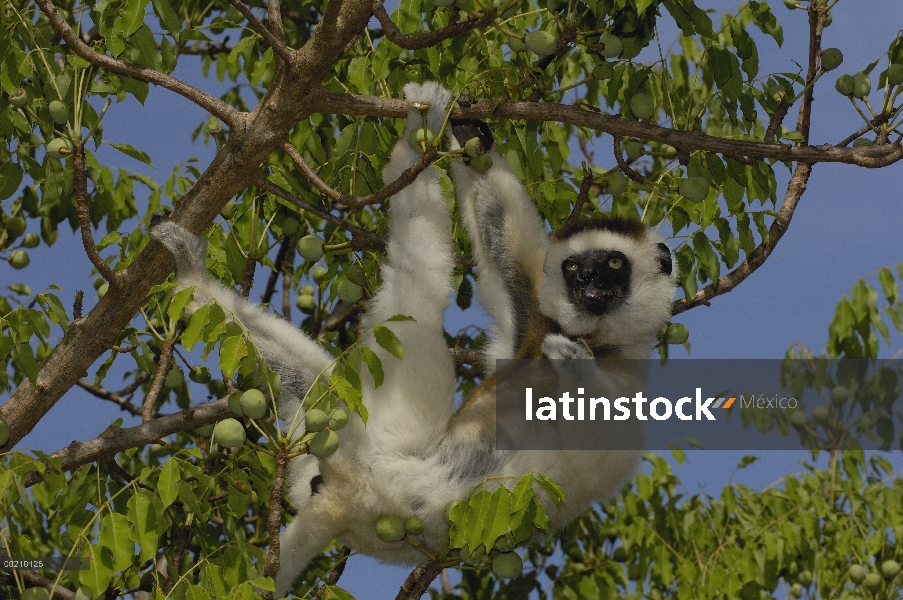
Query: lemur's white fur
{"type": "Point", "coordinates": [414, 455]}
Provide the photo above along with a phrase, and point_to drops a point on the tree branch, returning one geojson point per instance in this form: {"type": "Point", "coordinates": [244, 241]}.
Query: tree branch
{"type": "Point", "coordinates": [275, 43]}
{"type": "Point", "coordinates": [163, 365]}
{"type": "Point", "coordinates": [111, 396]}
{"type": "Point", "coordinates": [226, 113]}
{"type": "Point", "coordinates": [275, 517]}
{"type": "Point", "coordinates": [427, 38]}
{"type": "Point", "coordinates": [420, 579]}
{"type": "Point", "coordinates": [80, 179]}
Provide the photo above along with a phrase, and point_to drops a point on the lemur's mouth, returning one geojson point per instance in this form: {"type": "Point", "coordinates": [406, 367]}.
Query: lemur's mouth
{"type": "Point", "coordinates": [592, 292]}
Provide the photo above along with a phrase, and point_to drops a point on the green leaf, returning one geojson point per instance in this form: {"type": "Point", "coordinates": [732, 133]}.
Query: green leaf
{"type": "Point", "coordinates": [114, 534]}
{"type": "Point", "coordinates": [146, 522]}
{"type": "Point", "coordinates": [179, 301]}
{"type": "Point", "coordinates": [10, 178]}
{"type": "Point", "coordinates": [374, 365]}
{"type": "Point", "coordinates": [387, 339]}
{"type": "Point", "coordinates": [197, 324]}
{"type": "Point", "coordinates": [231, 351]}
{"type": "Point", "coordinates": [100, 570]}
{"type": "Point", "coordinates": [170, 475]}
{"type": "Point", "coordinates": [888, 284]}
{"type": "Point", "coordinates": [168, 18]}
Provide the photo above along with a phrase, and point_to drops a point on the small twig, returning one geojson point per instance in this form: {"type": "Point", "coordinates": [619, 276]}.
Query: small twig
{"type": "Point", "coordinates": [278, 46]}
{"type": "Point", "coordinates": [875, 123]}
{"type": "Point", "coordinates": [334, 574]}
{"type": "Point", "coordinates": [111, 396]}
{"type": "Point", "coordinates": [123, 349]}
{"type": "Point", "coordinates": [354, 230]}
{"type": "Point", "coordinates": [183, 537]}
{"type": "Point", "coordinates": [80, 177]}
{"type": "Point", "coordinates": [284, 248]}
{"type": "Point", "coordinates": [247, 279]}
{"type": "Point", "coordinates": [287, 296]}
{"type": "Point", "coordinates": [405, 179]}
{"type": "Point", "coordinates": [115, 467]}
{"type": "Point", "coordinates": [274, 520]}
{"type": "Point", "coordinates": [776, 120]}
{"type": "Point", "coordinates": [582, 196]}
{"type": "Point", "coordinates": [622, 164]}
{"type": "Point", "coordinates": [163, 365]}
{"type": "Point", "coordinates": [77, 305]}
{"type": "Point", "coordinates": [427, 38]}
{"type": "Point", "coordinates": [420, 579]}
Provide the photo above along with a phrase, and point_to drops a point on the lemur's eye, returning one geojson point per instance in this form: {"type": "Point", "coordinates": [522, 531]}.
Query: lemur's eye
{"type": "Point", "coordinates": [615, 263]}
{"type": "Point", "coordinates": [570, 266]}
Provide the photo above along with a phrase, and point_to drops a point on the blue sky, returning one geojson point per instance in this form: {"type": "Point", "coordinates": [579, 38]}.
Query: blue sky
{"type": "Point", "coordinates": [846, 227]}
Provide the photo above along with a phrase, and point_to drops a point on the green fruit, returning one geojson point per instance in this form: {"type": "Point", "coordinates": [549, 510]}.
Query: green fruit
{"type": "Point", "coordinates": [620, 554]}
{"type": "Point", "coordinates": [306, 303]}
{"type": "Point", "coordinates": [103, 289]}
{"type": "Point", "coordinates": [15, 227]}
{"type": "Point", "coordinates": [541, 42]}
{"type": "Point", "coordinates": [890, 569]}
{"type": "Point", "coordinates": [821, 415]}
{"type": "Point", "coordinates": [872, 582]}
{"type": "Point", "coordinates": [18, 98]}
{"type": "Point", "coordinates": [205, 431]}
{"type": "Point", "coordinates": [310, 247]}
{"type": "Point", "coordinates": [791, 4]}
{"type": "Point", "coordinates": [676, 333]}
{"type": "Point", "coordinates": [505, 543]}
{"type": "Point", "coordinates": [481, 164]}
{"type": "Point", "coordinates": [4, 433]}
{"type": "Point", "coordinates": [18, 259]}
{"type": "Point", "coordinates": [316, 419]}
{"type": "Point", "coordinates": [779, 92]}
{"type": "Point", "coordinates": [235, 404]}
{"type": "Point", "coordinates": [253, 404]}
{"type": "Point", "coordinates": [318, 273]}
{"type": "Point", "coordinates": [228, 211]}
{"type": "Point", "coordinates": [615, 183]}
{"type": "Point", "coordinates": [338, 419]}
{"type": "Point", "coordinates": [355, 274]}
{"type": "Point", "coordinates": [517, 43]}
{"type": "Point", "coordinates": [839, 394]}
{"type": "Point", "coordinates": [324, 444]}
{"type": "Point", "coordinates": [58, 148]}
{"type": "Point", "coordinates": [290, 226]}
{"type": "Point", "coordinates": [863, 142]}
{"type": "Point", "coordinates": [99, 281]}
{"type": "Point", "coordinates": [472, 558]}
{"type": "Point", "coordinates": [642, 106]}
{"type": "Point", "coordinates": [694, 188]}
{"type": "Point", "coordinates": [507, 564]}
{"type": "Point", "coordinates": [804, 578]}
{"type": "Point", "coordinates": [35, 593]}
{"type": "Point", "coordinates": [348, 291]}
{"type": "Point", "coordinates": [413, 525]}
{"type": "Point", "coordinates": [199, 374]}
{"type": "Point", "coordinates": [229, 433]}
{"type": "Point", "coordinates": [796, 590]}
{"type": "Point", "coordinates": [828, 19]}
{"type": "Point", "coordinates": [612, 46]}
{"type": "Point", "coordinates": [845, 85]}
{"type": "Point", "coordinates": [474, 147]}
{"type": "Point", "coordinates": [390, 528]}
{"type": "Point", "coordinates": [420, 138]}
{"type": "Point", "coordinates": [798, 419]}
{"type": "Point", "coordinates": [895, 74]}
{"type": "Point", "coordinates": [59, 112]}
{"type": "Point", "coordinates": [857, 573]}
{"type": "Point", "coordinates": [603, 71]}
{"type": "Point", "coordinates": [862, 85]}
{"type": "Point", "coordinates": [633, 149]}
{"type": "Point", "coordinates": [31, 240]}
{"type": "Point", "coordinates": [831, 59]}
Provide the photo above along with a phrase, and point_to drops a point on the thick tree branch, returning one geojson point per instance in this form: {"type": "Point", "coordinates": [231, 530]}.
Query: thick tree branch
{"type": "Point", "coordinates": [226, 113]}
{"type": "Point", "coordinates": [275, 43]}
{"type": "Point", "coordinates": [427, 38]}
{"type": "Point", "coordinates": [871, 157]}
{"type": "Point", "coordinates": [420, 579]}
{"type": "Point", "coordinates": [274, 520]}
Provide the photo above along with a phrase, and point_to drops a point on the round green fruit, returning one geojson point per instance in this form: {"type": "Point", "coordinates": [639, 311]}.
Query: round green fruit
{"type": "Point", "coordinates": [99, 281]}
{"type": "Point", "coordinates": [895, 74]}
{"type": "Point", "coordinates": [199, 374]}
{"type": "Point", "coordinates": [235, 404]}
{"type": "Point", "coordinates": [857, 574]}
{"type": "Point", "coordinates": [505, 543]}
{"type": "Point", "coordinates": [413, 525]}
{"type": "Point", "coordinates": [316, 419]}
{"type": "Point", "coordinates": [324, 444]}
{"type": "Point", "coordinates": [19, 259]}
{"type": "Point", "coordinates": [59, 147]}
{"type": "Point", "coordinates": [620, 554]}
{"type": "Point", "coordinates": [863, 142]}
{"type": "Point", "coordinates": [338, 419]}
{"type": "Point", "coordinates": [804, 578]}
{"type": "Point", "coordinates": [474, 147]}
{"type": "Point", "coordinates": [481, 163]}
{"type": "Point", "coordinates": [633, 149]}
{"type": "Point", "coordinates": [229, 433]}
{"type": "Point", "coordinates": [32, 240]}
{"type": "Point", "coordinates": [15, 227]}
{"type": "Point", "coordinates": [821, 415]}
{"type": "Point", "coordinates": [306, 303]}
{"type": "Point", "coordinates": [205, 431]}
{"type": "Point", "coordinates": [290, 226]}
{"type": "Point", "coordinates": [507, 564]}
{"type": "Point", "coordinates": [890, 569]}
{"type": "Point", "coordinates": [4, 433]}
{"type": "Point", "coordinates": [615, 183]}
{"type": "Point", "coordinates": [839, 394]}
{"type": "Point", "coordinates": [35, 593]}
{"type": "Point", "coordinates": [228, 211]}
{"type": "Point", "coordinates": [831, 59]}
{"type": "Point", "coordinates": [472, 558]}
{"type": "Point", "coordinates": [310, 247]}
{"type": "Point", "coordinates": [253, 404]}
{"type": "Point", "coordinates": [845, 85]}
{"type": "Point", "coordinates": [318, 273]}
{"type": "Point", "coordinates": [103, 289]}
{"type": "Point", "coordinates": [796, 590]}
{"type": "Point", "coordinates": [603, 71]}
{"type": "Point", "coordinates": [791, 4]}
{"type": "Point", "coordinates": [798, 419]}
{"type": "Point", "coordinates": [18, 98]}
{"type": "Point", "coordinates": [348, 291]}
{"type": "Point", "coordinates": [862, 85]}
{"type": "Point", "coordinates": [541, 42]}
{"type": "Point", "coordinates": [694, 188]}
{"type": "Point", "coordinates": [307, 290]}
{"type": "Point", "coordinates": [612, 46]}
{"type": "Point", "coordinates": [355, 274]}
{"type": "Point", "coordinates": [872, 582]}
{"type": "Point", "coordinates": [390, 528]}
{"type": "Point", "coordinates": [676, 333]}
{"type": "Point", "coordinates": [517, 43]}
{"type": "Point", "coordinates": [421, 138]}
{"type": "Point", "coordinates": [59, 112]}
{"type": "Point", "coordinates": [642, 106]}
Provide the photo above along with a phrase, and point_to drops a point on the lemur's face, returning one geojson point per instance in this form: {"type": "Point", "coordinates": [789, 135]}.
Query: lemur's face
{"type": "Point", "coordinates": [598, 281]}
